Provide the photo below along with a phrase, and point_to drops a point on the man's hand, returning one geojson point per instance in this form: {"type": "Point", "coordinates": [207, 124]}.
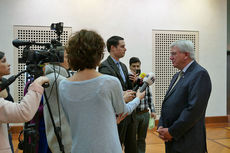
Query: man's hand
{"type": "Point", "coordinates": [164, 134]}
{"type": "Point", "coordinates": [154, 115]}
{"type": "Point", "coordinates": [133, 77]}
{"type": "Point", "coordinates": [129, 95]}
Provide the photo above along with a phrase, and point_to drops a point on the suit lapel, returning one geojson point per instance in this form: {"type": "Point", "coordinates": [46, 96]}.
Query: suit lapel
{"type": "Point", "coordinates": [179, 83]}
{"type": "Point", "coordinates": [116, 69]}
{"type": "Point", "coordinates": [172, 82]}
{"type": "Point", "coordinates": [171, 85]}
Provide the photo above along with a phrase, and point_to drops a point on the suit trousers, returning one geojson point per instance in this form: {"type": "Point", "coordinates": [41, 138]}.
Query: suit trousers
{"type": "Point", "coordinates": [127, 134]}
{"type": "Point", "coordinates": [169, 148]}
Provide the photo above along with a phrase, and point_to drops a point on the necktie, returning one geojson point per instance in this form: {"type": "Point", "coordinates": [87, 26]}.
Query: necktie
{"type": "Point", "coordinates": [178, 78]}
{"type": "Point", "coordinates": [121, 71]}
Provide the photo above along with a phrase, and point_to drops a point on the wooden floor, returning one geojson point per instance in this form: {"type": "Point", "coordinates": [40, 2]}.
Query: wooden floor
{"type": "Point", "coordinates": [218, 139]}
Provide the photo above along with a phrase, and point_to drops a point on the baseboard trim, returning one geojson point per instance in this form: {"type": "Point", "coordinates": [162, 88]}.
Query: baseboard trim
{"type": "Point", "coordinates": [217, 119]}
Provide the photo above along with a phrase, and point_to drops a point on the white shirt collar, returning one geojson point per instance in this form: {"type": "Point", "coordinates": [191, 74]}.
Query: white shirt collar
{"type": "Point", "coordinates": [187, 66]}
{"type": "Point", "coordinates": [115, 61]}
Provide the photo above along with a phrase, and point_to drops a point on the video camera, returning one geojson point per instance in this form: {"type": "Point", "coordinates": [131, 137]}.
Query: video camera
{"type": "Point", "coordinates": [52, 52]}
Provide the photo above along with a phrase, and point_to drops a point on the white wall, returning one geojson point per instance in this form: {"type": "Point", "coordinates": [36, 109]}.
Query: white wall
{"type": "Point", "coordinates": [228, 25]}
{"type": "Point", "coordinates": [134, 20]}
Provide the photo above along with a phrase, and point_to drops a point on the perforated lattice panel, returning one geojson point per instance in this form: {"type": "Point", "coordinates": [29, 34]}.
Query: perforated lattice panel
{"type": "Point", "coordinates": [162, 65]}
{"type": "Point", "coordinates": [39, 34]}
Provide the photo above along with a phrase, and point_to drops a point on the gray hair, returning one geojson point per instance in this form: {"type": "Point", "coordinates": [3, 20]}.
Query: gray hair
{"type": "Point", "coordinates": [185, 46]}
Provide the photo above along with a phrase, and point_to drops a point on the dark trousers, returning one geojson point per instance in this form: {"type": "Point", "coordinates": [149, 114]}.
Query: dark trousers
{"type": "Point", "coordinates": [127, 134]}
{"type": "Point", "coordinates": [169, 148]}
{"type": "Point", "coordinates": [142, 122]}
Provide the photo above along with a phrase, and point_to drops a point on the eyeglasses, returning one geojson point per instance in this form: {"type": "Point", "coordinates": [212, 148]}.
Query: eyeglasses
{"type": "Point", "coordinates": [172, 53]}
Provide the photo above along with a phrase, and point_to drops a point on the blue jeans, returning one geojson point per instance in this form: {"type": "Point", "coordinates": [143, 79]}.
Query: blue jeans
{"type": "Point", "coordinates": [142, 122]}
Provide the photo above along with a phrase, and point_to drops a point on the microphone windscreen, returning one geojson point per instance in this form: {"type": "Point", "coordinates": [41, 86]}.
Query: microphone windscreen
{"type": "Point", "coordinates": [148, 81]}
{"type": "Point", "coordinates": [150, 78]}
{"type": "Point", "coordinates": [139, 81]}
{"type": "Point", "coordinates": [18, 43]}
{"type": "Point", "coordinates": [142, 75]}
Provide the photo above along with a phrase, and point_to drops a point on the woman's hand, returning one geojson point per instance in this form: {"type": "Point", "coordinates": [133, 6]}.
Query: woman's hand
{"type": "Point", "coordinates": [139, 94]}
{"type": "Point", "coordinates": [129, 95]}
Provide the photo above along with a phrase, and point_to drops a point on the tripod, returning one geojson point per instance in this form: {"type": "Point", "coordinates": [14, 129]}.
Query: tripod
{"type": "Point", "coordinates": [31, 133]}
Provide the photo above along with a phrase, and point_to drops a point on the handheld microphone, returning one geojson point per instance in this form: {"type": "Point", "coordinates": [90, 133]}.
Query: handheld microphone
{"type": "Point", "coordinates": [139, 81]}
{"type": "Point", "coordinates": [5, 84]}
{"type": "Point", "coordinates": [148, 81]}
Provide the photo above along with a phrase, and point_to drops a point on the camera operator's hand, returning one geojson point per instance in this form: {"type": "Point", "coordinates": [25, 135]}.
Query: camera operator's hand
{"type": "Point", "coordinates": [41, 80]}
{"type": "Point", "coordinates": [139, 94]}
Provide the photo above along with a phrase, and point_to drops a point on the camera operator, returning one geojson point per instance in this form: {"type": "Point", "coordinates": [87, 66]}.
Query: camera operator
{"type": "Point", "coordinates": [18, 112]}
{"type": "Point", "coordinates": [35, 60]}
{"type": "Point", "coordinates": [56, 73]}
{"type": "Point", "coordinates": [5, 70]}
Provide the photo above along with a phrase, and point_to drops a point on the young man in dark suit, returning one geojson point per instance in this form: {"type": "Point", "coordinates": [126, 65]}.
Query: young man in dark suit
{"type": "Point", "coordinates": [182, 121]}
{"type": "Point", "coordinates": [113, 66]}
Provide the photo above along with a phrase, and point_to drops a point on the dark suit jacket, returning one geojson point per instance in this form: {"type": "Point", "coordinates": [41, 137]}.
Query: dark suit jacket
{"type": "Point", "coordinates": [109, 67]}
{"type": "Point", "coordinates": [183, 111]}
